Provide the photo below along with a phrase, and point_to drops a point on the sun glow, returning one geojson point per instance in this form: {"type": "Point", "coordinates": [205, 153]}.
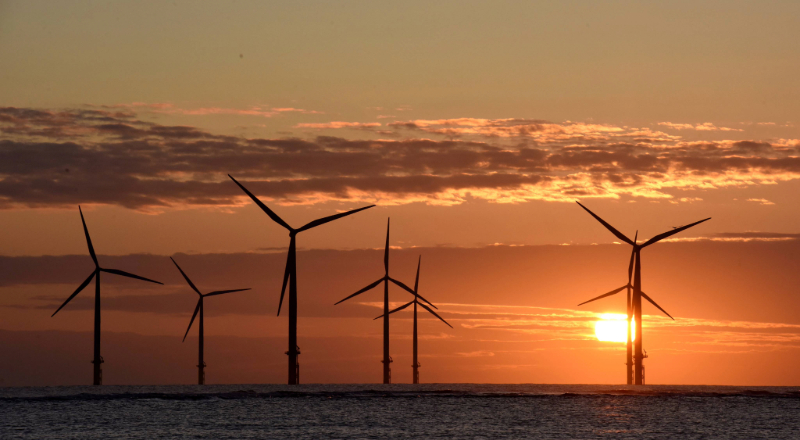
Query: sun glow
{"type": "Point", "coordinates": [611, 328]}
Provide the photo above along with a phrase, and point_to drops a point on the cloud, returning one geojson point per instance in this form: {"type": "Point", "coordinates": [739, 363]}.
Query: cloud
{"type": "Point", "coordinates": [570, 324]}
{"type": "Point", "coordinates": [168, 108]}
{"type": "Point", "coordinates": [479, 353]}
{"type": "Point", "coordinates": [743, 237]}
{"type": "Point", "coordinates": [761, 201]}
{"type": "Point", "coordinates": [296, 110]}
{"type": "Point", "coordinates": [707, 126]}
{"type": "Point", "coordinates": [204, 111]}
{"type": "Point", "coordinates": [516, 128]}
{"type": "Point", "coordinates": [51, 158]}
{"type": "Point", "coordinates": [758, 235]}
{"type": "Point", "coordinates": [338, 124]}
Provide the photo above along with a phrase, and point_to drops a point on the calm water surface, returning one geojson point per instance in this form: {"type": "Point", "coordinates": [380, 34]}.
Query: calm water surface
{"type": "Point", "coordinates": [400, 411]}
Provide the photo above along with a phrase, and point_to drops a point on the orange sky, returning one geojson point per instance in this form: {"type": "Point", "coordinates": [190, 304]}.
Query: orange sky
{"type": "Point", "coordinates": [474, 126]}
{"type": "Point", "coordinates": [513, 308]}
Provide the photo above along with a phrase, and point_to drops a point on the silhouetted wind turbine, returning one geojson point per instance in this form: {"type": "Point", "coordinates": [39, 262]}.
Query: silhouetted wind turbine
{"type": "Point", "coordinates": [290, 276]}
{"type": "Point", "coordinates": [629, 312]}
{"type": "Point", "coordinates": [98, 360]}
{"type": "Point", "coordinates": [637, 294]}
{"type": "Point", "coordinates": [387, 371]}
{"type": "Point", "coordinates": [416, 302]}
{"type": "Point", "coordinates": [201, 375]}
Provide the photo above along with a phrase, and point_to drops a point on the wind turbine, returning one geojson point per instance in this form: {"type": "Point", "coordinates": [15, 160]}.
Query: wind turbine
{"type": "Point", "coordinates": [387, 371]}
{"type": "Point", "coordinates": [201, 375]}
{"type": "Point", "coordinates": [290, 276]}
{"type": "Point", "coordinates": [416, 302]}
{"type": "Point", "coordinates": [629, 311]}
{"type": "Point", "coordinates": [98, 360]}
{"type": "Point", "coordinates": [637, 294]}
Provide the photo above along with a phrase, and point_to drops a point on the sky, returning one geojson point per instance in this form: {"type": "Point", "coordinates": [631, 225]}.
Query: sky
{"type": "Point", "coordinates": [474, 126]}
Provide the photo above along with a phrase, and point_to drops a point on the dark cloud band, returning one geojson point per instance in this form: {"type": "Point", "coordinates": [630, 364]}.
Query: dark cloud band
{"type": "Point", "coordinates": [55, 158]}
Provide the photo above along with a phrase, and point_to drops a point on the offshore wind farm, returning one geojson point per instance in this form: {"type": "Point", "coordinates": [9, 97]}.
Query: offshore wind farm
{"type": "Point", "coordinates": [487, 138]}
{"type": "Point", "coordinates": [635, 293]}
{"type": "Point", "coordinates": [290, 276]}
{"type": "Point", "coordinates": [97, 360]}
{"type": "Point", "coordinates": [201, 365]}
{"type": "Point", "coordinates": [387, 358]}
{"type": "Point", "coordinates": [633, 302]}
{"type": "Point", "coordinates": [415, 302]}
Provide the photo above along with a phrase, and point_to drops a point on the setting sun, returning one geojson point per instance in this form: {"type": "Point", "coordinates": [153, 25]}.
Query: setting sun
{"type": "Point", "coordinates": [611, 328]}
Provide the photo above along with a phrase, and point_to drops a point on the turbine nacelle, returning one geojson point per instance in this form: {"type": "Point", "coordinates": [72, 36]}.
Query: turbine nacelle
{"type": "Point", "coordinates": [619, 289]}
{"type": "Point", "coordinates": [416, 299]}
{"type": "Point", "coordinates": [292, 233]}
{"type": "Point", "coordinates": [653, 240]}
{"type": "Point", "coordinates": [97, 268]}
{"type": "Point", "coordinates": [202, 295]}
{"type": "Point", "coordinates": [636, 249]}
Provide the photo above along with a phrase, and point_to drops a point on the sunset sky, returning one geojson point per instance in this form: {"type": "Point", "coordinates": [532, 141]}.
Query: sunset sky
{"type": "Point", "coordinates": [475, 126]}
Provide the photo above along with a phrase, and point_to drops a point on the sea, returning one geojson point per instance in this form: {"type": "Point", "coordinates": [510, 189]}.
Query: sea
{"type": "Point", "coordinates": [451, 411]}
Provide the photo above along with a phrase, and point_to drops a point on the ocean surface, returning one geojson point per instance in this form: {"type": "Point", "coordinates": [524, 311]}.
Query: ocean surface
{"type": "Point", "coordinates": [461, 411]}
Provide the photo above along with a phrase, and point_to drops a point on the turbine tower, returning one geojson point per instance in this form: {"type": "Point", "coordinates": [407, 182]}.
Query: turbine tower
{"type": "Point", "coordinates": [290, 276]}
{"type": "Point", "coordinates": [637, 294]}
{"type": "Point", "coordinates": [98, 360]}
{"type": "Point", "coordinates": [387, 370]}
{"type": "Point", "coordinates": [416, 302]}
{"type": "Point", "coordinates": [629, 312]}
{"type": "Point", "coordinates": [201, 374]}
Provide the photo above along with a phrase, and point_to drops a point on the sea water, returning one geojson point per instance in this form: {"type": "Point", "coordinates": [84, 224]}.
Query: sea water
{"type": "Point", "coordinates": [461, 411]}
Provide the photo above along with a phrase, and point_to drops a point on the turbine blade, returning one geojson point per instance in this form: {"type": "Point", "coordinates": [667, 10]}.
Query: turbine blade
{"type": "Point", "coordinates": [416, 281]}
{"type": "Point", "coordinates": [657, 306]}
{"type": "Point", "coordinates": [371, 286]}
{"type": "Point", "coordinates": [434, 314]}
{"type": "Point", "coordinates": [222, 292]}
{"type": "Point", "coordinates": [196, 309]}
{"type": "Point", "coordinates": [88, 239]}
{"type": "Point", "coordinates": [619, 235]}
{"type": "Point", "coordinates": [77, 291]}
{"type": "Point", "coordinates": [129, 275]}
{"type": "Point", "coordinates": [330, 218]}
{"type": "Point", "coordinates": [263, 207]}
{"type": "Point", "coordinates": [408, 289]}
{"type": "Point", "coordinates": [425, 300]}
{"type": "Point", "coordinates": [613, 292]}
{"type": "Point", "coordinates": [286, 274]}
{"type": "Point", "coordinates": [660, 237]}
{"type": "Point", "coordinates": [191, 284]}
{"type": "Point", "coordinates": [633, 254]}
{"type": "Point", "coordinates": [386, 249]}
{"type": "Point", "coordinates": [401, 285]}
{"type": "Point", "coordinates": [397, 309]}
